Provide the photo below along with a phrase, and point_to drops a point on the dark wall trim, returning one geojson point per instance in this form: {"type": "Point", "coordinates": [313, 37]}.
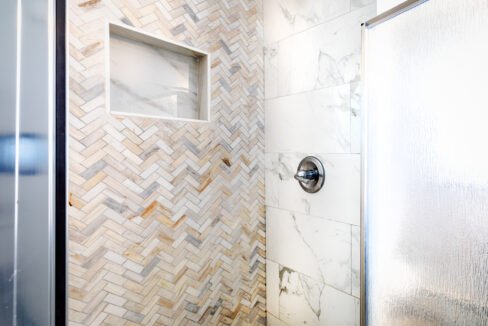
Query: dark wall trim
{"type": "Point", "coordinates": [60, 287]}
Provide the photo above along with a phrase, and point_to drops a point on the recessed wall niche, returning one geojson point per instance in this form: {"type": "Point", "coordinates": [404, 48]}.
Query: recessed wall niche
{"type": "Point", "coordinates": [149, 76]}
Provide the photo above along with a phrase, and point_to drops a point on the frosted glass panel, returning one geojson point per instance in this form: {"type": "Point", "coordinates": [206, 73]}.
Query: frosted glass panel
{"type": "Point", "coordinates": [35, 212]}
{"type": "Point", "coordinates": [26, 160]}
{"type": "Point", "coordinates": [8, 29]}
{"type": "Point", "coordinates": [426, 190]}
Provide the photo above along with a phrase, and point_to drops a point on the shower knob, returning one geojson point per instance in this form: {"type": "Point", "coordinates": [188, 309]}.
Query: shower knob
{"type": "Point", "coordinates": [310, 174]}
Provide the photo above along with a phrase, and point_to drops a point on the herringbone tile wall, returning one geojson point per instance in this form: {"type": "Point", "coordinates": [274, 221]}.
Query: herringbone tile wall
{"type": "Point", "coordinates": [166, 219]}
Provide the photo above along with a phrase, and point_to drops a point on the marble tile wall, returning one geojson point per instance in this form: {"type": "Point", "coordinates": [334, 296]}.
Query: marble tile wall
{"type": "Point", "coordinates": [166, 218]}
{"type": "Point", "coordinates": [312, 107]}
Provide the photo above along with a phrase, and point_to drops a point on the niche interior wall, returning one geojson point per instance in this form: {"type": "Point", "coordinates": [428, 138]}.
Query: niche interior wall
{"type": "Point", "coordinates": [166, 218]}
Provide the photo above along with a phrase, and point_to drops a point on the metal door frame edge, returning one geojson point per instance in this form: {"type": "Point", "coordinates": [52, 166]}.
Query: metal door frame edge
{"type": "Point", "coordinates": [61, 164]}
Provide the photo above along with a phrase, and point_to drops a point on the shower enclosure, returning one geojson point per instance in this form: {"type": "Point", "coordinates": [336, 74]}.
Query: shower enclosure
{"type": "Point", "coordinates": [32, 181]}
{"type": "Point", "coordinates": [181, 216]}
{"type": "Point", "coordinates": [425, 175]}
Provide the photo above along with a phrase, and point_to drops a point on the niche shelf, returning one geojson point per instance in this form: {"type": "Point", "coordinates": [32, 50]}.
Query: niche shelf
{"type": "Point", "coordinates": [149, 76]}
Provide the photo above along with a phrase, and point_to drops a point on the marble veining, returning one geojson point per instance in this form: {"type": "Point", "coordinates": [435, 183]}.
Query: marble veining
{"type": "Point", "coordinates": [316, 247]}
{"type": "Point", "coordinates": [148, 80]}
{"type": "Point", "coordinates": [323, 56]}
{"type": "Point", "coordinates": [285, 17]}
{"type": "Point", "coordinates": [304, 301]}
{"type": "Point", "coordinates": [300, 289]}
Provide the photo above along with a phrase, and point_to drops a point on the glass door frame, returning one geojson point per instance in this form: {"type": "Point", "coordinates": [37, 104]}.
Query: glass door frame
{"type": "Point", "coordinates": [61, 167]}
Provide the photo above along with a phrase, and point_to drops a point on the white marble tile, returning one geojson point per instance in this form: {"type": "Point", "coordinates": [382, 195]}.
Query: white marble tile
{"type": "Point", "coordinates": [274, 321]}
{"type": "Point", "coordinates": [300, 298]}
{"type": "Point", "coordinates": [306, 301]}
{"type": "Point", "coordinates": [356, 4]}
{"type": "Point", "coordinates": [338, 200]}
{"type": "Point", "coordinates": [283, 18]}
{"type": "Point", "coordinates": [148, 80]}
{"type": "Point", "coordinates": [316, 247]}
{"type": "Point", "coordinates": [339, 309]}
{"type": "Point", "coordinates": [356, 260]}
{"type": "Point", "coordinates": [357, 311]}
{"type": "Point", "coordinates": [272, 287]}
{"type": "Point", "coordinates": [317, 121]}
{"type": "Point", "coordinates": [285, 243]}
{"type": "Point", "coordinates": [356, 117]}
{"type": "Point", "coordinates": [323, 56]}
{"type": "Point", "coordinates": [384, 5]}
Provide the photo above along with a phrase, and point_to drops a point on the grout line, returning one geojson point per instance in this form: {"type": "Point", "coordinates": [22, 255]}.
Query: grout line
{"type": "Point", "coordinates": [284, 323]}
{"type": "Point", "coordinates": [279, 291]}
{"type": "Point", "coordinates": [350, 262]}
{"type": "Point", "coordinates": [350, 115]}
{"type": "Point", "coordinates": [315, 216]}
{"type": "Point", "coordinates": [266, 99]}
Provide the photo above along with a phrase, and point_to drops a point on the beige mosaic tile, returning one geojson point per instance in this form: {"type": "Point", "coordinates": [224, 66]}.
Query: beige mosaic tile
{"type": "Point", "coordinates": [166, 219]}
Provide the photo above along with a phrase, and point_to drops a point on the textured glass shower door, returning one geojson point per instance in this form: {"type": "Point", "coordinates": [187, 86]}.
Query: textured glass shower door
{"type": "Point", "coordinates": [425, 166]}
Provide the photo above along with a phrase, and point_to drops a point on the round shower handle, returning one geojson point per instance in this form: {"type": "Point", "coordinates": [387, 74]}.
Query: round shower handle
{"type": "Point", "coordinates": [310, 174]}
